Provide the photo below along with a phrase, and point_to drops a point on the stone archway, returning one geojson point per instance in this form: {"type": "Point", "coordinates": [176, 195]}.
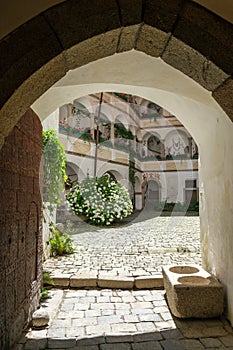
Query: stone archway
{"type": "Point", "coordinates": [180, 34]}
{"type": "Point", "coordinates": [183, 34]}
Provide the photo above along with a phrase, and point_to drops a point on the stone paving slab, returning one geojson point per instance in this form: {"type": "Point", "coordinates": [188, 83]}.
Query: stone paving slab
{"type": "Point", "coordinates": [121, 319]}
{"type": "Point", "coordinates": [115, 319]}
{"type": "Point", "coordinates": [136, 249]}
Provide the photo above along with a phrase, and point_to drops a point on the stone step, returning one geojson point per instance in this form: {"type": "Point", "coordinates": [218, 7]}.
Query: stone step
{"type": "Point", "coordinates": [92, 280]}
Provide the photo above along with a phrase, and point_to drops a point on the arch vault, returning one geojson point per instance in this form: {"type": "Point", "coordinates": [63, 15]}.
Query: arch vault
{"type": "Point", "coordinates": [175, 53]}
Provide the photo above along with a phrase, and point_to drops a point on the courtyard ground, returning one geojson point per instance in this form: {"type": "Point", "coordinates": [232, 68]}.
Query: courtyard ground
{"type": "Point", "coordinates": [139, 247]}
{"type": "Point", "coordinates": [116, 319]}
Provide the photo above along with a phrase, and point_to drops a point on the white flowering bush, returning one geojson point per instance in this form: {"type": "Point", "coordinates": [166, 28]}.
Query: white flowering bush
{"type": "Point", "coordinates": [101, 200]}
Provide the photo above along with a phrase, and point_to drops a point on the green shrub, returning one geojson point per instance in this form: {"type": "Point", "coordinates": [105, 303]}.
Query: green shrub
{"type": "Point", "coordinates": [46, 281]}
{"type": "Point", "coordinates": [61, 243]}
{"type": "Point", "coordinates": [101, 200]}
{"type": "Point", "coordinates": [176, 207]}
{"type": "Point", "coordinates": [194, 207]}
{"type": "Point", "coordinates": [44, 294]}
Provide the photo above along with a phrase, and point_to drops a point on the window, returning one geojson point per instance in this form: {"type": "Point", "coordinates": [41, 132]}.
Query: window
{"type": "Point", "coordinates": [190, 183]}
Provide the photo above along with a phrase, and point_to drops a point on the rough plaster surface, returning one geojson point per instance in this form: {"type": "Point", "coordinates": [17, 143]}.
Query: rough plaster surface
{"type": "Point", "coordinates": [199, 113]}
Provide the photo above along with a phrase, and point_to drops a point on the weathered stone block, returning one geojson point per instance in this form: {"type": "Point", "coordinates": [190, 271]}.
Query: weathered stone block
{"type": "Point", "coordinates": [90, 340]}
{"type": "Point", "coordinates": [130, 11]}
{"type": "Point", "coordinates": [87, 280]}
{"type": "Point", "coordinates": [115, 346]}
{"type": "Point", "coordinates": [224, 96]}
{"type": "Point", "coordinates": [151, 40]}
{"type": "Point", "coordinates": [40, 318]}
{"type": "Point", "coordinates": [98, 47]}
{"type": "Point", "coordinates": [61, 280]}
{"type": "Point", "coordinates": [162, 14]}
{"type": "Point", "coordinates": [193, 64]}
{"type": "Point", "coordinates": [71, 31]}
{"type": "Point", "coordinates": [153, 345]}
{"type": "Point", "coordinates": [88, 347]}
{"type": "Point", "coordinates": [207, 33]}
{"type": "Point", "coordinates": [119, 338]}
{"type": "Point", "coordinates": [20, 58]}
{"type": "Point", "coordinates": [116, 282]}
{"type": "Point", "coordinates": [192, 292]}
{"type": "Point", "coordinates": [145, 282]}
{"type": "Point", "coordinates": [36, 344]}
{"type": "Point", "coordinates": [59, 343]}
{"type": "Point", "coordinates": [128, 38]}
{"type": "Point", "coordinates": [147, 336]}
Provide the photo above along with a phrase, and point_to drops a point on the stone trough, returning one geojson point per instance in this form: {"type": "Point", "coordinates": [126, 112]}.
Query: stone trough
{"type": "Point", "coordinates": [192, 292]}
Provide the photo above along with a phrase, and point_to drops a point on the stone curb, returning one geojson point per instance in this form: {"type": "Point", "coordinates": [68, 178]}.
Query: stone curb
{"type": "Point", "coordinates": [110, 282]}
{"type": "Point", "coordinates": [87, 342]}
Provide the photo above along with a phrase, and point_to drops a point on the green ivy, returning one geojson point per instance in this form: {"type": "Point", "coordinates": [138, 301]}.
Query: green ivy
{"type": "Point", "coordinates": [132, 171]}
{"type": "Point", "coordinates": [120, 130]}
{"type": "Point", "coordinates": [54, 165]}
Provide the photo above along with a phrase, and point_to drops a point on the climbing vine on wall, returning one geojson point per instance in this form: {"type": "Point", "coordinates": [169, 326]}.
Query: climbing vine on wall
{"type": "Point", "coordinates": [132, 171]}
{"type": "Point", "coordinates": [121, 131]}
{"type": "Point", "coordinates": [54, 164]}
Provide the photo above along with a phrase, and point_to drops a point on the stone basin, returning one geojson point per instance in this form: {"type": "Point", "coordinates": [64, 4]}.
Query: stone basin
{"type": "Point", "coordinates": [192, 292]}
{"type": "Point", "coordinates": [184, 269]}
{"type": "Point", "coordinates": [194, 280]}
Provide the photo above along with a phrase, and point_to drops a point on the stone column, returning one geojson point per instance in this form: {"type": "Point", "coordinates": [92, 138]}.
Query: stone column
{"type": "Point", "coordinates": [140, 147]}
{"type": "Point", "coordinates": [112, 133]}
{"type": "Point", "coordinates": [134, 143]}
{"type": "Point", "coordinates": [69, 110]}
{"type": "Point", "coordinates": [70, 121]}
{"type": "Point", "coordinates": [196, 148]}
{"type": "Point", "coordinates": [144, 148]}
{"type": "Point", "coordinates": [92, 125]}
{"type": "Point", "coordinates": [163, 149]}
{"type": "Point", "coordinates": [190, 146]}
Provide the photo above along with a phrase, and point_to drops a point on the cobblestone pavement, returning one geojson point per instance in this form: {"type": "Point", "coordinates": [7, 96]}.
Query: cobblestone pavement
{"type": "Point", "coordinates": [134, 249]}
{"type": "Point", "coordinates": [115, 319]}
{"type": "Point", "coordinates": [122, 320]}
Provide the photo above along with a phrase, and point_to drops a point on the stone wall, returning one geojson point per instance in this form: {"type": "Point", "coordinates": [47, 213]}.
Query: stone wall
{"type": "Point", "coordinates": [20, 227]}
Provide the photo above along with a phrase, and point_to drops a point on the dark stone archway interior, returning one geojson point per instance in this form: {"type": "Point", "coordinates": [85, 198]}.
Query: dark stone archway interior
{"type": "Point", "coordinates": [184, 34]}
{"type": "Point", "coordinates": [38, 54]}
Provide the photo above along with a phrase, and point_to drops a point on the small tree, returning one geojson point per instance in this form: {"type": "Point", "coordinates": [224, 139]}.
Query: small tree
{"type": "Point", "coordinates": [101, 200]}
